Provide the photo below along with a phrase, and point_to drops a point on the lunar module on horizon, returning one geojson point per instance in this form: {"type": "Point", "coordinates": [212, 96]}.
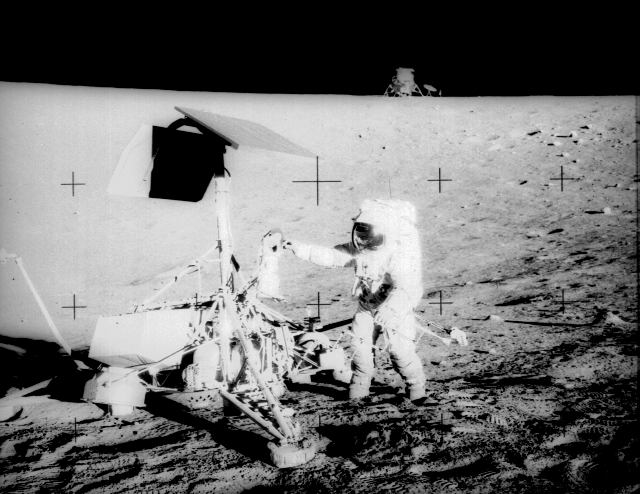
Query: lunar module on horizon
{"type": "Point", "coordinates": [225, 348]}
{"type": "Point", "coordinates": [403, 84]}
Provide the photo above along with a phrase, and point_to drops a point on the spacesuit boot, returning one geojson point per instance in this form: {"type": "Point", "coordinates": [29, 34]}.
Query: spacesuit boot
{"type": "Point", "coordinates": [358, 390]}
{"type": "Point", "coordinates": [414, 378]}
{"type": "Point", "coordinates": [416, 392]}
{"type": "Point", "coordinates": [407, 362]}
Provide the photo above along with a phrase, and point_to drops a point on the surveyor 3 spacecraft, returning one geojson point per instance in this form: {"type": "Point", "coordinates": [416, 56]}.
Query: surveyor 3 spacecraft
{"type": "Point", "coordinates": [222, 348]}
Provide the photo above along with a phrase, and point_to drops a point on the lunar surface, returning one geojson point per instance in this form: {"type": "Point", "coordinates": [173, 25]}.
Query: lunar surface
{"type": "Point", "coordinates": [529, 242]}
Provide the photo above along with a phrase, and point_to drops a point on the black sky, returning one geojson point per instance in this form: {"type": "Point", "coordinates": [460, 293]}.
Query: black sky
{"type": "Point", "coordinates": [549, 55]}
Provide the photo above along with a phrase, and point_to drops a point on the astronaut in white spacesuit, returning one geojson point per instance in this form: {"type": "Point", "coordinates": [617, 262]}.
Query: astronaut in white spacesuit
{"type": "Point", "coordinates": [385, 253]}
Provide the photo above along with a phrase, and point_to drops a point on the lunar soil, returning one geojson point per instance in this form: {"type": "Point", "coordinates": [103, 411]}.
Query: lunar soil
{"type": "Point", "coordinates": [541, 277]}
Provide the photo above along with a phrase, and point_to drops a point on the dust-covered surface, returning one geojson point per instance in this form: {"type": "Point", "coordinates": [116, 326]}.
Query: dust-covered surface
{"type": "Point", "coordinates": [554, 417]}
{"type": "Point", "coordinates": [544, 398]}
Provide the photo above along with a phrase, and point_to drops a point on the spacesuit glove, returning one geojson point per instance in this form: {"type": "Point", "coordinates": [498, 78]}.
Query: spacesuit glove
{"type": "Point", "coordinates": [299, 249]}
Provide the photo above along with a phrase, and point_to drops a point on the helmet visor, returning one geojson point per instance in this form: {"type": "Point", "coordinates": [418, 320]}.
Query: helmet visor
{"type": "Point", "coordinates": [364, 236]}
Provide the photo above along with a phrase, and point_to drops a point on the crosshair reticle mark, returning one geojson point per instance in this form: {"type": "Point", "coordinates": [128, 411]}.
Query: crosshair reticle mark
{"type": "Point", "coordinates": [73, 184]}
{"type": "Point", "coordinates": [562, 178]}
{"type": "Point", "coordinates": [440, 302]}
{"type": "Point", "coordinates": [440, 180]}
{"type": "Point", "coordinates": [563, 301]}
{"type": "Point", "coordinates": [317, 181]}
{"type": "Point", "coordinates": [74, 306]}
{"type": "Point", "coordinates": [318, 304]}
{"type": "Point", "coordinates": [498, 282]}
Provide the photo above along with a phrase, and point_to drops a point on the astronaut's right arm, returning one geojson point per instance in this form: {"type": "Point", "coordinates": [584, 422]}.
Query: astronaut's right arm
{"type": "Point", "coordinates": [336, 257]}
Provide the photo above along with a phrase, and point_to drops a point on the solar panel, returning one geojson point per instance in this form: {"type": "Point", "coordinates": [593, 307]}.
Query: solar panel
{"type": "Point", "coordinates": [241, 132]}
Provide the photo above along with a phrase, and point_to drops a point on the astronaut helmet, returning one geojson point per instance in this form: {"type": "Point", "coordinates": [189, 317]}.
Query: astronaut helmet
{"type": "Point", "coordinates": [379, 224]}
{"type": "Point", "coordinates": [365, 236]}
{"type": "Point", "coordinates": [371, 227]}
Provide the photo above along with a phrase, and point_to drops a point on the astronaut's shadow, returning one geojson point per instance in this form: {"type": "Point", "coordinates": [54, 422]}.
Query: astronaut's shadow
{"type": "Point", "coordinates": [247, 443]}
{"type": "Point", "coordinates": [323, 383]}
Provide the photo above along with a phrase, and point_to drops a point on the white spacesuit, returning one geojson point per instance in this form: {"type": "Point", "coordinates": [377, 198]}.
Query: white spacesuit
{"type": "Point", "coordinates": [385, 253]}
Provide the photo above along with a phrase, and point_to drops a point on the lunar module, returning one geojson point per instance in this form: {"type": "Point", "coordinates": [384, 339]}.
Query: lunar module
{"type": "Point", "coordinates": [403, 84]}
{"type": "Point", "coordinates": [226, 348]}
